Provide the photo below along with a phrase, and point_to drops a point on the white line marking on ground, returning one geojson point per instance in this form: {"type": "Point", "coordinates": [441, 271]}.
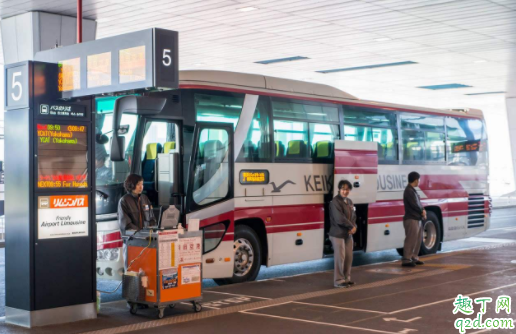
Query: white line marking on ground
{"type": "Point", "coordinates": [482, 331]}
{"type": "Point", "coordinates": [234, 294]}
{"type": "Point", "coordinates": [450, 299]}
{"type": "Point", "coordinates": [494, 240]}
{"type": "Point", "coordinates": [396, 319]}
{"type": "Point", "coordinates": [341, 308]}
{"type": "Point", "coordinates": [259, 308]}
{"type": "Point", "coordinates": [190, 304]}
{"type": "Point", "coordinates": [319, 323]}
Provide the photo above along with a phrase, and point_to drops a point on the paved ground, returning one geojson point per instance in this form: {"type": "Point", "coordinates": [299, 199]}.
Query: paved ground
{"type": "Point", "coordinates": [388, 299]}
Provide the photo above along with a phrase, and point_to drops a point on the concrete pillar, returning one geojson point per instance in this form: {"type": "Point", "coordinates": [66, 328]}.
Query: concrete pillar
{"type": "Point", "coordinates": [26, 34]}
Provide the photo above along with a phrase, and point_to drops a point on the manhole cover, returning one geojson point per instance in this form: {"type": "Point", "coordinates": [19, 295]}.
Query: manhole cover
{"type": "Point", "coordinates": [395, 271]}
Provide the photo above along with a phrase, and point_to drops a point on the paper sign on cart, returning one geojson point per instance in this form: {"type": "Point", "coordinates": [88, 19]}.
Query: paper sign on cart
{"type": "Point", "coordinates": [189, 250]}
{"type": "Point", "coordinates": [191, 274]}
{"type": "Point", "coordinates": [169, 278]}
{"type": "Point", "coordinates": [193, 225]}
{"type": "Point", "coordinates": [167, 241]}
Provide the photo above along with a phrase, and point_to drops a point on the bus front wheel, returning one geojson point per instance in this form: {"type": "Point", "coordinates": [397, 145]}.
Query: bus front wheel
{"type": "Point", "coordinates": [247, 251]}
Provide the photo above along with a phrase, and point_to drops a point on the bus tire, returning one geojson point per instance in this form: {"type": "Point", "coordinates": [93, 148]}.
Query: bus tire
{"type": "Point", "coordinates": [431, 234]}
{"type": "Point", "coordinates": [247, 253]}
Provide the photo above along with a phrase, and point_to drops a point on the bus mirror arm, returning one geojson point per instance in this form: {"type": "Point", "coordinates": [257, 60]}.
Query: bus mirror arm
{"type": "Point", "coordinates": [117, 148]}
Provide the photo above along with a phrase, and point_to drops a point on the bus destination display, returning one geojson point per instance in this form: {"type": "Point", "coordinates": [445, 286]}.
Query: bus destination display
{"type": "Point", "coordinates": [254, 176]}
{"type": "Point", "coordinates": [62, 156]}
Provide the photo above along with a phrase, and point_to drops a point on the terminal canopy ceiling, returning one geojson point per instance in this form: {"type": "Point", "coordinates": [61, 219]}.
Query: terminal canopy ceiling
{"type": "Point", "coordinates": [432, 51]}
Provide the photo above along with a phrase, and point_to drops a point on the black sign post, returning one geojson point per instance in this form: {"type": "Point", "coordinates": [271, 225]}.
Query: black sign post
{"type": "Point", "coordinates": [49, 171]}
{"type": "Point", "coordinates": [50, 225]}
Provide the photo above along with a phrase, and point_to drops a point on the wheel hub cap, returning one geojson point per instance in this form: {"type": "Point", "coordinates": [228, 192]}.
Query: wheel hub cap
{"type": "Point", "coordinates": [244, 256]}
{"type": "Point", "coordinates": [430, 234]}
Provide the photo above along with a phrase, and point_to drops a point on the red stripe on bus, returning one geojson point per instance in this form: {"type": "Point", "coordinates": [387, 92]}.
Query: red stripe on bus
{"type": "Point", "coordinates": [356, 159]}
{"type": "Point", "coordinates": [341, 171]}
{"type": "Point", "coordinates": [113, 236]}
{"type": "Point", "coordinates": [295, 228]}
{"type": "Point", "coordinates": [116, 244]}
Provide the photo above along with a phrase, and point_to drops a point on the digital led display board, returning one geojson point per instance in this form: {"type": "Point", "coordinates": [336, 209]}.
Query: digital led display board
{"type": "Point", "coordinates": [254, 176]}
{"type": "Point", "coordinates": [467, 146]}
{"type": "Point", "coordinates": [132, 64]}
{"type": "Point", "coordinates": [69, 76]}
{"type": "Point", "coordinates": [99, 70]}
{"type": "Point", "coordinates": [146, 60]}
{"type": "Point", "coordinates": [62, 156]}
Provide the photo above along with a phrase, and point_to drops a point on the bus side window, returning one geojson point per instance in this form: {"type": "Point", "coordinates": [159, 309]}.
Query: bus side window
{"type": "Point", "coordinates": [256, 146]}
{"type": "Point", "coordinates": [322, 137]}
{"type": "Point", "coordinates": [293, 136]}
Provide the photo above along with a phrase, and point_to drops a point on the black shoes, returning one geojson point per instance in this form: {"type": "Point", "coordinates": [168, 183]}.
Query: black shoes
{"type": "Point", "coordinates": [419, 263]}
{"type": "Point", "coordinates": [350, 283]}
{"type": "Point", "coordinates": [408, 264]}
{"type": "Point", "coordinates": [341, 285]}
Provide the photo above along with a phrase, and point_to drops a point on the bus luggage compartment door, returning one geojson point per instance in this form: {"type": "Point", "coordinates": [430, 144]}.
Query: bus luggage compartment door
{"type": "Point", "coordinates": [357, 162]}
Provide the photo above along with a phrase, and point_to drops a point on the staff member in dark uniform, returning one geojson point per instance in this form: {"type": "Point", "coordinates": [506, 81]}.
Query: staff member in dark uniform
{"type": "Point", "coordinates": [414, 213]}
{"type": "Point", "coordinates": [134, 209]}
{"type": "Point", "coordinates": [342, 227]}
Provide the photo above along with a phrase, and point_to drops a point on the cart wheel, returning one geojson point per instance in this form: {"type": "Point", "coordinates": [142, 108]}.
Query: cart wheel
{"type": "Point", "coordinates": [197, 307]}
{"type": "Point", "coordinates": [161, 313]}
{"type": "Point", "coordinates": [134, 308]}
{"type": "Point", "coordinates": [171, 305]}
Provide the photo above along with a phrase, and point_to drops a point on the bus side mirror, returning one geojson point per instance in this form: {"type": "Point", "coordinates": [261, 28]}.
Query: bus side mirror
{"type": "Point", "coordinates": [117, 148]}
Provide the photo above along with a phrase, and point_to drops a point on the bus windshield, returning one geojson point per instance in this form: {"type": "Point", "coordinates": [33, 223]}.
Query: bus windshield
{"type": "Point", "coordinates": [110, 175]}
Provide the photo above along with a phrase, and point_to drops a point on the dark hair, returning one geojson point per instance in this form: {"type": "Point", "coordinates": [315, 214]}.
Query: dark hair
{"type": "Point", "coordinates": [347, 183]}
{"type": "Point", "coordinates": [413, 177]}
{"type": "Point", "coordinates": [131, 182]}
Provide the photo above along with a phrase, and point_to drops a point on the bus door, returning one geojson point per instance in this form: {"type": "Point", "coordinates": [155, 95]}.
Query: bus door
{"type": "Point", "coordinates": [159, 163]}
{"type": "Point", "coordinates": [210, 195]}
{"type": "Point", "coordinates": [357, 162]}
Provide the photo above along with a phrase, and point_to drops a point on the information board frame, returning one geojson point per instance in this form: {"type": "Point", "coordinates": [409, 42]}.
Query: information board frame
{"type": "Point", "coordinates": [161, 61]}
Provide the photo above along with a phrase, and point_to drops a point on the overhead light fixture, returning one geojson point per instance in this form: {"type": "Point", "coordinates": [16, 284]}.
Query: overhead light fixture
{"type": "Point", "coordinates": [446, 86]}
{"type": "Point", "coordinates": [382, 39]}
{"type": "Point", "coordinates": [480, 61]}
{"type": "Point", "coordinates": [487, 93]}
{"type": "Point", "coordinates": [367, 67]}
{"type": "Point", "coordinates": [280, 60]}
{"type": "Point", "coordinates": [199, 64]}
{"type": "Point", "coordinates": [247, 9]}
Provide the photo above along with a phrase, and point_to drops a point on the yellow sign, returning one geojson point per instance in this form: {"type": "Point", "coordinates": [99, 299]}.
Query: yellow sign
{"type": "Point", "coordinates": [254, 177]}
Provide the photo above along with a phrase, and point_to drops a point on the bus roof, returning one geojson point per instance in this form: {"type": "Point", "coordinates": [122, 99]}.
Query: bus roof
{"type": "Point", "coordinates": [245, 82]}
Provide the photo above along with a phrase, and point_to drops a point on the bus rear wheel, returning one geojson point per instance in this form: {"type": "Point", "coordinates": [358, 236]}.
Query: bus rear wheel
{"type": "Point", "coordinates": [247, 251]}
{"type": "Point", "coordinates": [431, 234]}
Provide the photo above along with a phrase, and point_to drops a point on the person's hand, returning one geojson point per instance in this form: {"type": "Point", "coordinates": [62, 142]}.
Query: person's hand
{"type": "Point", "coordinates": [424, 214]}
{"type": "Point", "coordinates": [353, 230]}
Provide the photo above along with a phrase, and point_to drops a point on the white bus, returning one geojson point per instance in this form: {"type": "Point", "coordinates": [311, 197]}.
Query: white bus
{"type": "Point", "coordinates": [259, 158]}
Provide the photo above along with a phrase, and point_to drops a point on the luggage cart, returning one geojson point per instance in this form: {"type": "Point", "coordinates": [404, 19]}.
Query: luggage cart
{"type": "Point", "coordinates": [168, 269]}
